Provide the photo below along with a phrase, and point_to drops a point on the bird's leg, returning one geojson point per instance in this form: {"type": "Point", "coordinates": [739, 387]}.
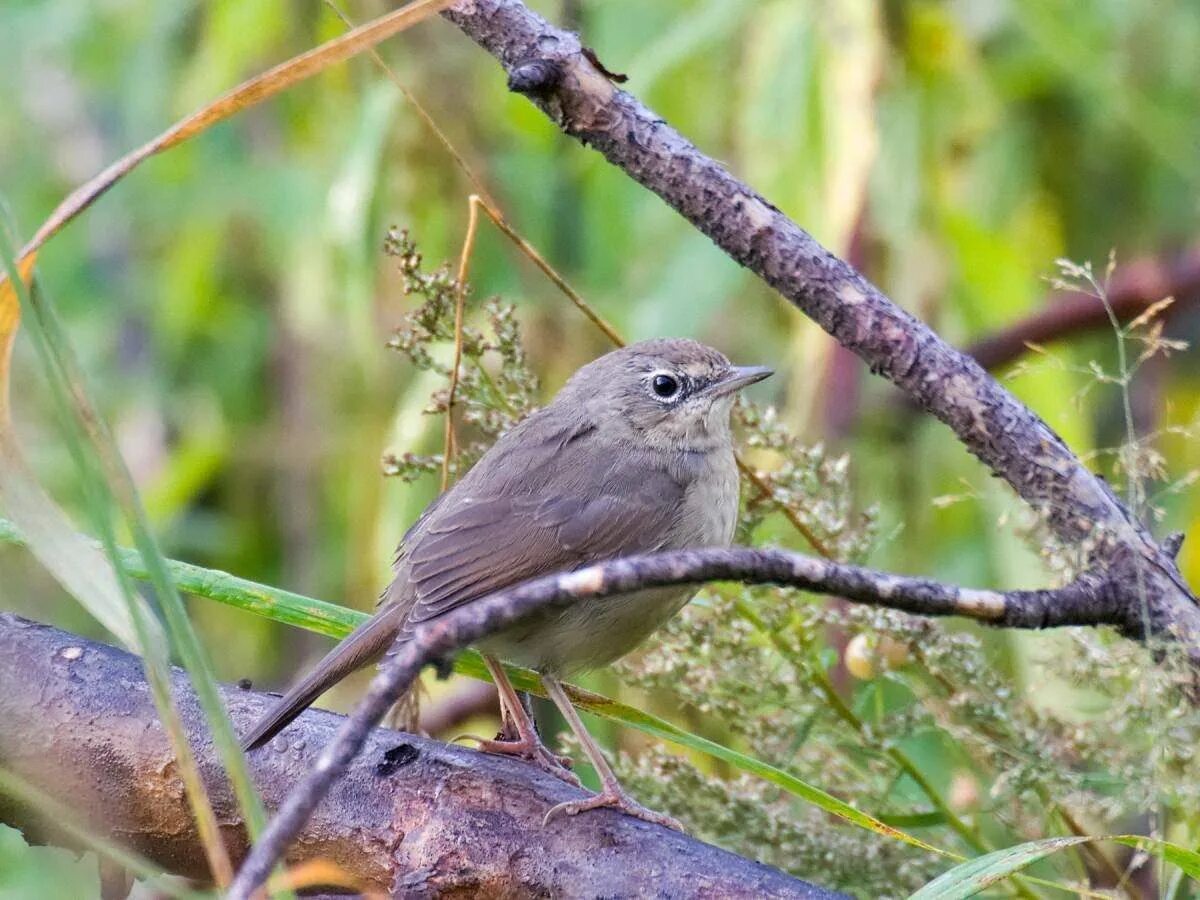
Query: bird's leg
{"type": "Point", "coordinates": [611, 792]}
{"type": "Point", "coordinates": [526, 701]}
{"type": "Point", "coordinates": [527, 744]}
{"type": "Point", "coordinates": [508, 724]}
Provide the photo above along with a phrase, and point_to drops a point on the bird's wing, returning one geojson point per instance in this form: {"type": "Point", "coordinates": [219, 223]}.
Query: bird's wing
{"type": "Point", "coordinates": [589, 509]}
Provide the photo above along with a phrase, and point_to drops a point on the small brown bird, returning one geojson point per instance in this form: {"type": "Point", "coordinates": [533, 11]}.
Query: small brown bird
{"type": "Point", "coordinates": [633, 455]}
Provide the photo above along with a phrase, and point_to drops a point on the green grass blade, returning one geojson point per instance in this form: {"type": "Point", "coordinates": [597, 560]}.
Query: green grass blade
{"type": "Point", "coordinates": [80, 573]}
{"type": "Point", "coordinates": [250, 596]}
{"type": "Point", "coordinates": [973, 876]}
{"type": "Point", "coordinates": [60, 356]}
{"type": "Point", "coordinates": [337, 622]}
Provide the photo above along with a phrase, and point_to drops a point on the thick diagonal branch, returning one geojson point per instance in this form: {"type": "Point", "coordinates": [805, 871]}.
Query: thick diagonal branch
{"type": "Point", "coordinates": [550, 66]}
{"type": "Point", "coordinates": [412, 817]}
{"type": "Point", "coordinates": [1084, 602]}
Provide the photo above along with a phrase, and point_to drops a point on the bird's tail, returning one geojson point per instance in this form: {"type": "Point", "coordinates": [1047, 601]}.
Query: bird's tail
{"type": "Point", "coordinates": [366, 644]}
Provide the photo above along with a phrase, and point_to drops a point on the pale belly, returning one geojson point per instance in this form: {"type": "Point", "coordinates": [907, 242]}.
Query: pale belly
{"type": "Point", "coordinates": [595, 632]}
{"type": "Point", "coordinates": [589, 634]}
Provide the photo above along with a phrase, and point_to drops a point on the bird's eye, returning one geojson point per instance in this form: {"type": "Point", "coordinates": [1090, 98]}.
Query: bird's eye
{"type": "Point", "coordinates": [664, 386]}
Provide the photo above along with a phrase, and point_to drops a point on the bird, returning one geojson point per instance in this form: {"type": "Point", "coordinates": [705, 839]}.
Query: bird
{"type": "Point", "coordinates": [634, 455]}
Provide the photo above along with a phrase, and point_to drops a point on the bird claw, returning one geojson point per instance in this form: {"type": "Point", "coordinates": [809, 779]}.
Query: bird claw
{"type": "Point", "coordinates": [615, 799]}
{"type": "Point", "coordinates": [531, 751]}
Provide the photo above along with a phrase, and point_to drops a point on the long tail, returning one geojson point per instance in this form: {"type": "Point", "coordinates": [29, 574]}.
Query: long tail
{"type": "Point", "coordinates": [365, 645]}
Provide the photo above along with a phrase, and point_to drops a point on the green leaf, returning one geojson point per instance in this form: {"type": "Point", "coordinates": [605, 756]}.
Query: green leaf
{"type": "Point", "coordinates": [932, 819]}
{"type": "Point", "coordinates": [971, 877]}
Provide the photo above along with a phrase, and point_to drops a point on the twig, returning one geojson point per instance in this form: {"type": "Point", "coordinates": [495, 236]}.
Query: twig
{"type": "Point", "coordinates": [551, 273]}
{"type": "Point", "coordinates": [470, 699]}
{"type": "Point", "coordinates": [430, 122]}
{"type": "Point", "coordinates": [1085, 601]}
{"type": "Point", "coordinates": [1135, 287]}
{"type": "Point", "coordinates": [460, 299]}
{"type": "Point", "coordinates": [788, 512]}
{"type": "Point", "coordinates": [549, 66]}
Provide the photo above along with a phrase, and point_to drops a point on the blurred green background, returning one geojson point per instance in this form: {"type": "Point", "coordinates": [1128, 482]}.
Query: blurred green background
{"type": "Point", "coordinates": [231, 303]}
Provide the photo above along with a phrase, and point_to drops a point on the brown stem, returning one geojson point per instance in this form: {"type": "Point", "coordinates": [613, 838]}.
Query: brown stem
{"type": "Point", "coordinates": [470, 699]}
{"type": "Point", "coordinates": [1135, 286]}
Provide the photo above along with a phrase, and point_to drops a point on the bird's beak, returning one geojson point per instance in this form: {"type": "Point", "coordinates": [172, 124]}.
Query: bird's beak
{"type": "Point", "coordinates": [738, 378]}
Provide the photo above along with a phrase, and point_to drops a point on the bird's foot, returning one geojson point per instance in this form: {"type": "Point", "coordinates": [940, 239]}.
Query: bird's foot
{"type": "Point", "coordinates": [530, 750]}
{"type": "Point", "coordinates": [616, 799]}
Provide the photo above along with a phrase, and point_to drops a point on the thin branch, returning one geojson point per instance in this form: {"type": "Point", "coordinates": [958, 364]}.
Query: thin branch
{"type": "Point", "coordinates": [1084, 602]}
{"type": "Point", "coordinates": [551, 68]}
{"type": "Point", "coordinates": [413, 817]}
{"type": "Point", "coordinates": [470, 699]}
{"type": "Point", "coordinates": [1135, 287]}
{"type": "Point", "coordinates": [450, 443]}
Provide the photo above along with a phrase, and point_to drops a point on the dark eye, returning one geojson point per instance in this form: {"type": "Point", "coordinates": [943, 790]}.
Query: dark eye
{"type": "Point", "coordinates": [665, 386]}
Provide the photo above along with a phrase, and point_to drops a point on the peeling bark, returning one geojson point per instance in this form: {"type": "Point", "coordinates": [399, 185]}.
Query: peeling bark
{"type": "Point", "coordinates": [412, 817]}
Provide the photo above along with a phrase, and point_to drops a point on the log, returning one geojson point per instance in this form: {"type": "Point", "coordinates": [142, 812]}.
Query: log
{"type": "Point", "coordinates": [412, 818]}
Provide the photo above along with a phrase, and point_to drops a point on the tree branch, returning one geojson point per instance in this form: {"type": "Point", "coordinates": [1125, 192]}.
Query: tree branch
{"type": "Point", "coordinates": [1135, 286]}
{"type": "Point", "coordinates": [411, 817]}
{"type": "Point", "coordinates": [550, 67]}
{"type": "Point", "coordinates": [1131, 571]}
{"type": "Point", "coordinates": [1087, 601]}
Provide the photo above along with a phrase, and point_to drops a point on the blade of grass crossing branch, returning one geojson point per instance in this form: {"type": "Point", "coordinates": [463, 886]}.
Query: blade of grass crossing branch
{"type": "Point", "coordinates": [974, 876]}
{"type": "Point", "coordinates": [338, 621]}
{"type": "Point", "coordinates": [83, 569]}
{"type": "Point", "coordinates": [182, 637]}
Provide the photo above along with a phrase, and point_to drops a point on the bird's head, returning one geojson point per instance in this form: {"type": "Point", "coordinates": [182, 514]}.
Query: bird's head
{"type": "Point", "coordinates": [672, 393]}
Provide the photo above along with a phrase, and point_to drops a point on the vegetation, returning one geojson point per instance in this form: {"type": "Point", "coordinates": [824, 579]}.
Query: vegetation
{"type": "Point", "coordinates": [236, 305]}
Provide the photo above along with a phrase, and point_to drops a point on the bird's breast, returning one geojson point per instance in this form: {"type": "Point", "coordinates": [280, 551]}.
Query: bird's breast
{"type": "Point", "coordinates": [708, 515]}
{"type": "Point", "coordinates": [594, 633]}
{"type": "Point", "coordinates": [588, 634]}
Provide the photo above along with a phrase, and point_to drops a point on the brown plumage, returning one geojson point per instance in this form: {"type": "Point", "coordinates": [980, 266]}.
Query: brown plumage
{"type": "Point", "coordinates": [633, 455]}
